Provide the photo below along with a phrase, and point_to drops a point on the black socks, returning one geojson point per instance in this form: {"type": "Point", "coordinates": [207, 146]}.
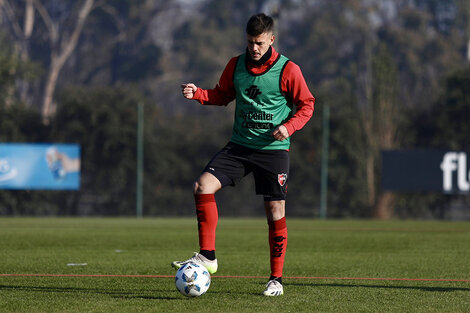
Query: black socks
{"type": "Point", "coordinates": [279, 279]}
{"type": "Point", "coordinates": [208, 254]}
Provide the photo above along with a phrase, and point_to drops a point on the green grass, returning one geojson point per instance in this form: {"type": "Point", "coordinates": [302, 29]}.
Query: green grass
{"type": "Point", "coordinates": [355, 249]}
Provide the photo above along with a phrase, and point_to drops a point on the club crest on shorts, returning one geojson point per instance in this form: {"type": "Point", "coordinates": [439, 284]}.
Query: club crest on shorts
{"type": "Point", "coordinates": [282, 178]}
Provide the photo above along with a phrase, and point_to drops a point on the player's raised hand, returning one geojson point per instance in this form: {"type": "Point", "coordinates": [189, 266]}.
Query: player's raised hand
{"type": "Point", "coordinates": [188, 90]}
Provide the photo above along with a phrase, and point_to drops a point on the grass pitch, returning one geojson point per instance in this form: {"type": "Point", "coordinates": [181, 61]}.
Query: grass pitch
{"type": "Point", "coordinates": [331, 266]}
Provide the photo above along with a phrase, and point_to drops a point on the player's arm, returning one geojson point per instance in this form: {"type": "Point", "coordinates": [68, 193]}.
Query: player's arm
{"type": "Point", "coordinates": [222, 94]}
{"type": "Point", "coordinates": [294, 86]}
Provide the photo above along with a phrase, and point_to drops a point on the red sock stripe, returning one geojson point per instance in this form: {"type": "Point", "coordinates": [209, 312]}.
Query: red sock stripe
{"type": "Point", "coordinates": [207, 218]}
{"type": "Point", "coordinates": [277, 245]}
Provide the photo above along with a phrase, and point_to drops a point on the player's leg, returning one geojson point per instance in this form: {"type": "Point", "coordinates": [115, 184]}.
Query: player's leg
{"type": "Point", "coordinates": [207, 213]}
{"type": "Point", "coordinates": [222, 170]}
{"type": "Point", "coordinates": [204, 191]}
{"type": "Point", "coordinates": [275, 214]}
{"type": "Point", "coordinates": [271, 172]}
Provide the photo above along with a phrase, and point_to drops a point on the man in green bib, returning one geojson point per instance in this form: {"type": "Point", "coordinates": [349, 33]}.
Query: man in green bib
{"type": "Point", "coordinates": [268, 89]}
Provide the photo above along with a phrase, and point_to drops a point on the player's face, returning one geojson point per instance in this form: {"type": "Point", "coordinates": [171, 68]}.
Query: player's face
{"type": "Point", "coordinates": [259, 45]}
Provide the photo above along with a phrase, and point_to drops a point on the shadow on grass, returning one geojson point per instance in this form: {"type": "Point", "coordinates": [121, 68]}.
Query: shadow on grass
{"type": "Point", "coordinates": [154, 294]}
{"type": "Point", "coordinates": [422, 288]}
{"type": "Point", "coordinates": [125, 294]}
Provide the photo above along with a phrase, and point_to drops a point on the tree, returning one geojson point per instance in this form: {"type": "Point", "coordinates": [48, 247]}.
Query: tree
{"type": "Point", "coordinates": [21, 35]}
{"type": "Point", "coordinates": [63, 40]}
{"type": "Point", "coordinates": [383, 125]}
{"type": "Point", "coordinates": [8, 69]}
{"type": "Point", "coordinates": [103, 121]}
{"type": "Point", "coordinates": [380, 114]}
{"type": "Point", "coordinates": [452, 113]}
{"type": "Point", "coordinates": [62, 46]}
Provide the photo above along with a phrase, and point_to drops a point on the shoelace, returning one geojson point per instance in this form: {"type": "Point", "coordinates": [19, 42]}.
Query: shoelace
{"type": "Point", "coordinates": [275, 283]}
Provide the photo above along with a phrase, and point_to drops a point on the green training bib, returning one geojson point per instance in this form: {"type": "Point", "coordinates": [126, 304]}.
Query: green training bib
{"type": "Point", "coordinates": [260, 106]}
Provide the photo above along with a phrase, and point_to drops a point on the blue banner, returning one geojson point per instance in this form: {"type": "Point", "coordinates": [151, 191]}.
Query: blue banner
{"type": "Point", "coordinates": [39, 166]}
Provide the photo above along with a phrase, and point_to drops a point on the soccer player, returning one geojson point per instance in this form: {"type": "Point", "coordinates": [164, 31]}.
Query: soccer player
{"type": "Point", "coordinates": [266, 86]}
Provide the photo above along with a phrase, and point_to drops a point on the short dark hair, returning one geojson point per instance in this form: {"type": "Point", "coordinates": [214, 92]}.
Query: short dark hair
{"type": "Point", "coordinates": [258, 24]}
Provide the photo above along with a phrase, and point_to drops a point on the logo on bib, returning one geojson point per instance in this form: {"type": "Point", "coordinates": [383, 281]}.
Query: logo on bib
{"type": "Point", "coordinates": [252, 92]}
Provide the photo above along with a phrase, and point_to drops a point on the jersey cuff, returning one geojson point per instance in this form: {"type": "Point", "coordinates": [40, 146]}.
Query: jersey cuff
{"type": "Point", "coordinates": [197, 95]}
{"type": "Point", "coordinates": [290, 129]}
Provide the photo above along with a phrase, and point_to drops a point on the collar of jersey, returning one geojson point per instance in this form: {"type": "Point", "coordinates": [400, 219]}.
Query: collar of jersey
{"type": "Point", "coordinates": [263, 59]}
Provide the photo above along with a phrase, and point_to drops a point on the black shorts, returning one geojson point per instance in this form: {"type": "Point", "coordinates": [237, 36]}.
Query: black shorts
{"type": "Point", "coordinates": [270, 169]}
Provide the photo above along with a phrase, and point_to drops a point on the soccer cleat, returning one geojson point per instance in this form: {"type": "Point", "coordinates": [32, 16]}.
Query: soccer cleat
{"type": "Point", "coordinates": [197, 258]}
{"type": "Point", "coordinates": [273, 289]}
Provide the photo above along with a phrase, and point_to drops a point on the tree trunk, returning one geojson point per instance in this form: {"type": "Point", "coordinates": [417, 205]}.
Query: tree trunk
{"type": "Point", "coordinates": [28, 27]}
{"type": "Point", "coordinates": [370, 176]}
{"type": "Point", "coordinates": [384, 208]}
{"type": "Point", "coordinates": [48, 109]}
{"type": "Point", "coordinates": [58, 60]}
{"type": "Point", "coordinates": [468, 50]}
{"type": "Point", "coordinates": [29, 19]}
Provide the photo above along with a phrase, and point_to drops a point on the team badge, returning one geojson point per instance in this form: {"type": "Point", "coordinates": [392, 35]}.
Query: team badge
{"type": "Point", "coordinates": [282, 178]}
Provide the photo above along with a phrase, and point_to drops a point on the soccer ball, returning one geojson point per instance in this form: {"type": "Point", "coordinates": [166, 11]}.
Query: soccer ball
{"type": "Point", "coordinates": [192, 280]}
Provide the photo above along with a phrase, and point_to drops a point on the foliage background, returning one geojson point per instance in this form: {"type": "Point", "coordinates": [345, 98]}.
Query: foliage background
{"type": "Point", "coordinates": [394, 73]}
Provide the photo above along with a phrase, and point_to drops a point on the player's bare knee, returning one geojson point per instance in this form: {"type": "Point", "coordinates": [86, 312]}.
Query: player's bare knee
{"type": "Point", "coordinates": [197, 188]}
{"type": "Point", "coordinates": [200, 188]}
{"type": "Point", "coordinates": [275, 210]}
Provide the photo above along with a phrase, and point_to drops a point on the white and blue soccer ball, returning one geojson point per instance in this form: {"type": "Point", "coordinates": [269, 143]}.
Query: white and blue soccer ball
{"type": "Point", "coordinates": [192, 280]}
